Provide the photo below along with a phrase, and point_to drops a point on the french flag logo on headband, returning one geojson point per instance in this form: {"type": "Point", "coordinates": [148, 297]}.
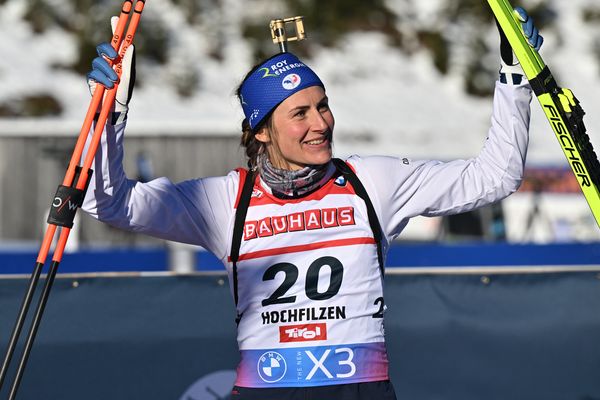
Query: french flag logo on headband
{"type": "Point", "coordinates": [292, 81]}
{"type": "Point", "coordinates": [272, 82]}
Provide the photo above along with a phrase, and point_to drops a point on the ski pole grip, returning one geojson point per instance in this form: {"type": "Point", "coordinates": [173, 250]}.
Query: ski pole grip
{"type": "Point", "coordinates": [66, 201]}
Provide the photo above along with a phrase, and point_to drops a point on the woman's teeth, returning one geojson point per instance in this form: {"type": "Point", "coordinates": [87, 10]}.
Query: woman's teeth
{"type": "Point", "coordinates": [317, 141]}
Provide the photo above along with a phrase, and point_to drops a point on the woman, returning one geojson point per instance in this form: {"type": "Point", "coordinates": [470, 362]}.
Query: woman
{"type": "Point", "coordinates": [303, 236]}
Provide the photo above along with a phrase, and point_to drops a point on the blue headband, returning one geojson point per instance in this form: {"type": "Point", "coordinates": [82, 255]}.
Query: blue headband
{"type": "Point", "coordinates": [271, 83]}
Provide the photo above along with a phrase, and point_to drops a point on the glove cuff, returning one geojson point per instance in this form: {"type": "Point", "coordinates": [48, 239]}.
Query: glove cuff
{"type": "Point", "coordinates": [120, 107]}
{"type": "Point", "coordinates": [118, 117]}
{"type": "Point", "coordinates": [511, 74]}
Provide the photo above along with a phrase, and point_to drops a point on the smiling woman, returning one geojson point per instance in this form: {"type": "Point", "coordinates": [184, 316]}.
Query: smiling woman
{"type": "Point", "coordinates": [304, 236]}
{"type": "Point", "coordinates": [283, 95]}
{"type": "Point", "coordinates": [301, 131]}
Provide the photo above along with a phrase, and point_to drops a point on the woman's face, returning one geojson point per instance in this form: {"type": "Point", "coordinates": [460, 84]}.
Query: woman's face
{"type": "Point", "coordinates": [302, 130]}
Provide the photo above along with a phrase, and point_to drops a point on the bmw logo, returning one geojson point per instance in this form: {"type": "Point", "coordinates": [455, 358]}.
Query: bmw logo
{"type": "Point", "coordinates": [271, 367]}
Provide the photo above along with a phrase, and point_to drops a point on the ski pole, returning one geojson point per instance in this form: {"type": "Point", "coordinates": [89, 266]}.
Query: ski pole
{"type": "Point", "coordinates": [60, 202]}
{"type": "Point", "coordinates": [83, 175]}
{"type": "Point", "coordinates": [67, 181]}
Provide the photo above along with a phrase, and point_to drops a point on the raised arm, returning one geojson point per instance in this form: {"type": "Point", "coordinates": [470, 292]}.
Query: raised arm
{"type": "Point", "coordinates": [404, 188]}
{"type": "Point", "coordinates": [194, 211]}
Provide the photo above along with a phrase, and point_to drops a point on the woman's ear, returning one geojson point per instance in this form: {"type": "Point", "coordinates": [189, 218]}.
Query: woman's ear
{"type": "Point", "coordinates": [263, 135]}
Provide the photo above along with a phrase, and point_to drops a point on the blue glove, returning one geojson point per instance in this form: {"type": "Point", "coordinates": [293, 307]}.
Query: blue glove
{"type": "Point", "coordinates": [102, 73]}
{"type": "Point", "coordinates": [531, 32]}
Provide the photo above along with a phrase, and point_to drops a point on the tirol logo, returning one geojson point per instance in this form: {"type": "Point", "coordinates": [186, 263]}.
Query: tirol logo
{"type": "Point", "coordinates": [291, 81]}
{"type": "Point", "coordinates": [302, 333]}
{"type": "Point", "coordinates": [271, 367]}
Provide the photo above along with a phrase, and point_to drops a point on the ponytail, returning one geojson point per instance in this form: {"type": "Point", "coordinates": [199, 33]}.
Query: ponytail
{"type": "Point", "coordinates": [252, 146]}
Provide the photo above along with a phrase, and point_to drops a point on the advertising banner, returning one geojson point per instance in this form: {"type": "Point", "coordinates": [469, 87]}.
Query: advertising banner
{"type": "Point", "coordinates": [449, 336]}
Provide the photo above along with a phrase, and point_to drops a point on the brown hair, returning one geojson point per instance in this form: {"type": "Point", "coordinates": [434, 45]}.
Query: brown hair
{"type": "Point", "coordinates": [253, 147]}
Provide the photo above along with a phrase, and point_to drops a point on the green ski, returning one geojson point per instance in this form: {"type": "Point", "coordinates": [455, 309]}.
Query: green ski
{"type": "Point", "coordinates": [560, 106]}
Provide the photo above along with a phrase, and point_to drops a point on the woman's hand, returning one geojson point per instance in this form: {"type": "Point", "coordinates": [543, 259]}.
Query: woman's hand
{"type": "Point", "coordinates": [510, 70]}
{"type": "Point", "coordinates": [103, 73]}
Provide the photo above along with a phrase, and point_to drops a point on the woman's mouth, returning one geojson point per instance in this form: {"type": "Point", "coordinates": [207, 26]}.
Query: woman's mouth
{"type": "Point", "coordinates": [316, 142]}
{"type": "Point", "coordinates": [321, 140]}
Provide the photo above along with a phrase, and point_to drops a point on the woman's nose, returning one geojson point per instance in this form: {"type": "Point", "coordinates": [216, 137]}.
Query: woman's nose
{"type": "Point", "coordinates": [319, 123]}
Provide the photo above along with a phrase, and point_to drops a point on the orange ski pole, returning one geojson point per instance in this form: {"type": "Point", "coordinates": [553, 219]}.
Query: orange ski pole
{"type": "Point", "coordinates": [95, 103]}
{"type": "Point", "coordinates": [72, 200]}
{"type": "Point", "coordinates": [103, 117]}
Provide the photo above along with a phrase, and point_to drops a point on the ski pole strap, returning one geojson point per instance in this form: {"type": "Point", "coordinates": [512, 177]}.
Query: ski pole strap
{"type": "Point", "coordinates": [361, 192]}
{"type": "Point", "coordinates": [66, 202]}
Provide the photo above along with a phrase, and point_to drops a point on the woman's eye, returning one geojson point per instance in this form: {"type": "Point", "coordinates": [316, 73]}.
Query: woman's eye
{"type": "Point", "coordinates": [300, 113]}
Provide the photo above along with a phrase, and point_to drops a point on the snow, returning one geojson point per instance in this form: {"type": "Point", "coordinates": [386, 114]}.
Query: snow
{"type": "Point", "coordinates": [385, 101]}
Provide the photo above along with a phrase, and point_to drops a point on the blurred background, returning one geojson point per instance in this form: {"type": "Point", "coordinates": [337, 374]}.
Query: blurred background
{"type": "Point", "coordinates": [500, 303]}
{"type": "Point", "coordinates": [406, 78]}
